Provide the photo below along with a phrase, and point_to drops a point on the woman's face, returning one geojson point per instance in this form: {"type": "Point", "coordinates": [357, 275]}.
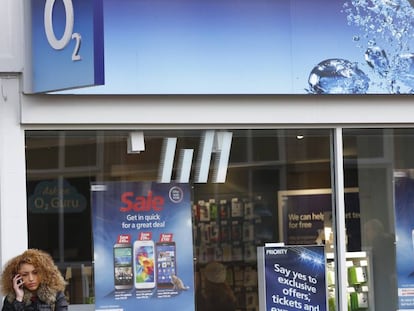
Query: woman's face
{"type": "Point", "coordinates": [31, 277]}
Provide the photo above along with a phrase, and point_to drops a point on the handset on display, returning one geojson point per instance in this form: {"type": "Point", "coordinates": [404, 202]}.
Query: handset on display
{"type": "Point", "coordinates": [123, 271]}
{"type": "Point", "coordinates": [144, 264]}
{"type": "Point", "coordinates": [166, 263]}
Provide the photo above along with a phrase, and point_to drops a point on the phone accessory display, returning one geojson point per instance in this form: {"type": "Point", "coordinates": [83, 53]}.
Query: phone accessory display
{"type": "Point", "coordinates": [357, 275]}
{"type": "Point", "coordinates": [360, 279]}
{"type": "Point", "coordinates": [228, 230]}
{"type": "Point", "coordinates": [359, 301]}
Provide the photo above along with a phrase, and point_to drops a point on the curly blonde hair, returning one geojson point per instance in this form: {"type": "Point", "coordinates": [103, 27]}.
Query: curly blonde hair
{"type": "Point", "coordinates": [42, 261]}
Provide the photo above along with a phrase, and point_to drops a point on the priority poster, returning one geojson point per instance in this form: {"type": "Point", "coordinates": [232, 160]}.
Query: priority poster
{"type": "Point", "coordinates": [143, 256]}
{"type": "Point", "coordinates": [295, 278]}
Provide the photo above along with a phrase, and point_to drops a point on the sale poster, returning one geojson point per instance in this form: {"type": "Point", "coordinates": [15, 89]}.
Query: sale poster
{"type": "Point", "coordinates": [143, 255]}
{"type": "Point", "coordinates": [404, 229]}
{"type": "Point", "coordinates": [295, 278]}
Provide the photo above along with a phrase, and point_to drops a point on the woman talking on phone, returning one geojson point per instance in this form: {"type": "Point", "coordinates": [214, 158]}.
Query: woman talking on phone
{"type": "Point", "coordinates": [32, 282]}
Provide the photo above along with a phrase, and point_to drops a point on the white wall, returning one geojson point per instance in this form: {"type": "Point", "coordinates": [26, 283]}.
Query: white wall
{"type": "Point", "coordinates": [13, 219]}
{"type": "Point", "coordinates": [286, 111]}
{"type": "Point", "coordinates": [11, 36]}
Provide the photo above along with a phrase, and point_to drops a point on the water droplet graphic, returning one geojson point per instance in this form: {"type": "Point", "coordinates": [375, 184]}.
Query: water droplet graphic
{"type": "Point", "coordinates": [392, 4]}
{"type": "Point", "coordinates": [377, 59]}
{"type": "Point", "coordinates": [386, 32]}
{"type": "Point", "coordinates": [406, 69]}
{"type": "Point", "coordinates": [337, 76]}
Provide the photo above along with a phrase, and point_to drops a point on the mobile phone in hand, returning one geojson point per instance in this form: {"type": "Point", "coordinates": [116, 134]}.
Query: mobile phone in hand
{"type": "Point", "coordinates": [20, 282]}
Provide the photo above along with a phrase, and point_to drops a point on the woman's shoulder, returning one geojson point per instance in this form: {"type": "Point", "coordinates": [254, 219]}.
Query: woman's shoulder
{"type": "Point", "coordinates": [61, 302]}
{"type": "Point", "coordinates": [60, 294]}
{"type": "Point", "coordinates": [61, 298]}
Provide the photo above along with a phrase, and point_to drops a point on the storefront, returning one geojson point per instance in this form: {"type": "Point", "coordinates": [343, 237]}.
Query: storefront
{"type": "Point", "coordinates": [283, 183]}
{"type": "Point", "coordinates": [299, 169]}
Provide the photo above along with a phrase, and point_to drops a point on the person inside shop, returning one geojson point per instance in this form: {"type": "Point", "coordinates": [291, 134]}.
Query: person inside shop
{"type": "Point", "coordinates": [382, 246]}
{"type": "Point", "coordinates": [217, 293]}
{"type": "Point", "coordinates": [199, 293]}
{"type": "Point", "coordinates": [31, 281]}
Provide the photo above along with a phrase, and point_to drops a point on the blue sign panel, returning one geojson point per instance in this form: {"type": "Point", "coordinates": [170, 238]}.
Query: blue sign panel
{"type": "Point", "coordinates": [224, 46]}
{"type": "Point", "coordinates": [258, 47]}
{"type": "Point", "coordinates": [67, 44]}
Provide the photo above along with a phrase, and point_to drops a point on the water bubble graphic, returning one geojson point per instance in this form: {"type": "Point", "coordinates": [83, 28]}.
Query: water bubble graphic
{"type": "Point", "coordinates": [392, 4]}
{"type": "Point", "coordinates": [386, 37]}
{"type": "Point", "coordinates": [337, 76]}
{"type": "Point", "coordinates": [377, 59]}
{"type": "Point", "coordinates": [406, 69]}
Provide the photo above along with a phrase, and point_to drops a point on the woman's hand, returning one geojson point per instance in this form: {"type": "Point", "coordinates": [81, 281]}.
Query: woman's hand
{"type": "Point", "coordinates": [18, 287]}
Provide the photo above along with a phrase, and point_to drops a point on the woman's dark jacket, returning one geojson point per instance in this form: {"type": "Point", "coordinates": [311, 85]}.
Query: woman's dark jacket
{"type": "Point", "coordinates": [46, 300]}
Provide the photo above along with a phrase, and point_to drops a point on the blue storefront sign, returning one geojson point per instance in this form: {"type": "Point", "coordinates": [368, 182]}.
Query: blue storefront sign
{"type": "Point", "coordinates": [224, 47]}
{"type": "Point", "coordinates": [257, 47]}
{"type": "Point", "coordinates": [66, 44]}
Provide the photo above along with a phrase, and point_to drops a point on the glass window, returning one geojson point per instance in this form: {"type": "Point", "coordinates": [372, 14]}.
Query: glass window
{"type": "Point", "coordinates": [275, 186]}
{"type": "Point", "coordinates": [376, 163]}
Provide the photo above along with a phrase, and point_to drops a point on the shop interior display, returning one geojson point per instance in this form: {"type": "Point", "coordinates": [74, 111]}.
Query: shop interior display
{"type": "Point", "coordinates": [228, 231]}
{"type": "Point", "coordinates": [360, 293]}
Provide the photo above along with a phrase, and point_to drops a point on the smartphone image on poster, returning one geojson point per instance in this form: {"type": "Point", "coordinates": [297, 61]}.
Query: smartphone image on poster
{"type": "Point", "coordinates": [123, 271]}
{"type": "Point", "coordinates": [166, 263]}
{"type": "Point", "coordinates": [144, 264]}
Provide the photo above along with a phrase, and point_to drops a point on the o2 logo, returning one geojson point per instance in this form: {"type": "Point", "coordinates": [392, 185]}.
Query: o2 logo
{"type": "Point", "coordinates": [60, 44]}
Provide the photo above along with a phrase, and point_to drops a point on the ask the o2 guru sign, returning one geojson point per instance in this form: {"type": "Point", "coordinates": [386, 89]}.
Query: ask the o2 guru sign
{"type": "Point", "coordinates": [66, 44]}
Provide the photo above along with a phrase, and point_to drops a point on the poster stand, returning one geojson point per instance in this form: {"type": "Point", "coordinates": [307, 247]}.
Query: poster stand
{"type": "Point", "coordinates": [261, 273]}
{"type": "Point", "coordinates": [292, 277]}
